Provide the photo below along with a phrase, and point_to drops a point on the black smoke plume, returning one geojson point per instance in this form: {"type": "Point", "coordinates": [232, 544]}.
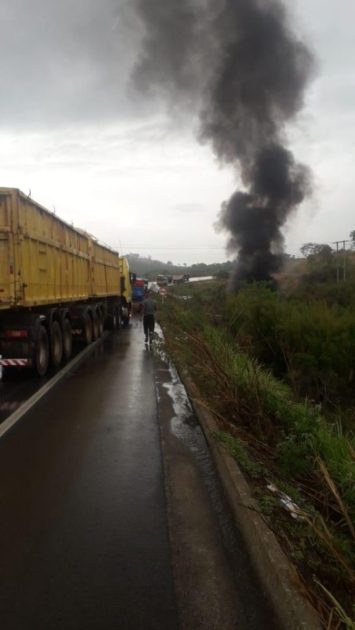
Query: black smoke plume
{"type": "Point", "coordinates": [239, 64]}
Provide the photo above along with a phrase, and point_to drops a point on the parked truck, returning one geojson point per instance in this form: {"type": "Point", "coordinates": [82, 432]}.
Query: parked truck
{"type": "Point", "coordinates": [56, 282]}
{"type": "Point", "coordinates": [126, 291]}
{"type": "Point", "coordinates": [139, 288]}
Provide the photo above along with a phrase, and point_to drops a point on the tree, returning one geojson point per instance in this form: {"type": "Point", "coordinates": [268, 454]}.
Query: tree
{"type": "Point", "coordinates": [352, 238]}
{"type": "Point", "coordinates": [321, 250]}
{"type": "Point", "coordinates": [222, 274]}
{"type": "Point", "coordinates": [320, 261]}
{"type": "Point", "coordinates": [324, 252]}
{"type": "Point", "coordinates": [307, 249]}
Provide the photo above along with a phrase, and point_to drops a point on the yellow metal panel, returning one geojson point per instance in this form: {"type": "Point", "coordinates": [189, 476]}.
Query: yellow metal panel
{"type": "Point", "coordinates": [52, 274]}
{"type": "Point", "coordinates": [126, 287]}
{"type": "Point", "coordinates": [7, 271]}
{"type": "Point", "coordinates": [44, 260]}
{"type": "Point", "coordinates": [105, 271]}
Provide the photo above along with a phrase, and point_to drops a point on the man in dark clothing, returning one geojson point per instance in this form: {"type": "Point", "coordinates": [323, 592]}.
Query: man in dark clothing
{"type": "Point", "coordinates": [149, 308]}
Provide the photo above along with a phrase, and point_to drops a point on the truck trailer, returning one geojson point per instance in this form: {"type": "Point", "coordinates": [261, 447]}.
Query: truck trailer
{"type": "Point", "coordinates": [56, 282]}
{"type": "Point", "coordinates": [126, 291]}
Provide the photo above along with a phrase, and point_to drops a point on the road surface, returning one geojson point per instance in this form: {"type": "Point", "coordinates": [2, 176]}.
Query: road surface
{"type": "Point", "coordinates": [110, 515]}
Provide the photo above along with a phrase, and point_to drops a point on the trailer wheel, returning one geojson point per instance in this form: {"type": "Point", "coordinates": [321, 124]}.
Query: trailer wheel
{"type": "Point", "coordinates": [41, 354]}
{"type": "Point", "coordinates": [56, 344]}
{"type": "Point", "coordinates": [118, 318]}
{"type": "Point", "coordinates": [95, 326]}
{"type": "Point", "coordinates": [87, 329]}
{"type": "Point", "coordinates": [67, 339]}
{"type": "Point", "coordinates": [125, 317]}
{"type": "Point", "coordinates": [113, 321]}
{"type": "Point", "coordinates": [100, 320]}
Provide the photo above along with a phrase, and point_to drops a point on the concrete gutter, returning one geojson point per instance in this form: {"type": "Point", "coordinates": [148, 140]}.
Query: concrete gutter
{"type": "Point", "coordinates": [277, 576]}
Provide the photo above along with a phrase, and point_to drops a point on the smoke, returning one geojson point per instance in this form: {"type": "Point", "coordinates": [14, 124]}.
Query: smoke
{"type": "Point", "coordinates": [240, 66]}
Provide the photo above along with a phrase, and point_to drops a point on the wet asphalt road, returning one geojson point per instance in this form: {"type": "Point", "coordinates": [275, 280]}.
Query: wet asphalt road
{"type": "Point", "coordinates": [18, 385]}
{"type": "Point", "coordinates": [84, 540]}
{"type": "Point", "coordinates": [110, 513]}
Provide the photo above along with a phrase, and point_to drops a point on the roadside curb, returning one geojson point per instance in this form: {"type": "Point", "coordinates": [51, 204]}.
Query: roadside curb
{"type": "Point", "coordinates": [277, 576]}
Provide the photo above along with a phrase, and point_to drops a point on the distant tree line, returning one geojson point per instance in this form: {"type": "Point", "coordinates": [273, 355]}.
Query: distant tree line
{"type": "Point", "coordinates": [325, 264]}
{"type": "Point", "coordinates": [149, 268]}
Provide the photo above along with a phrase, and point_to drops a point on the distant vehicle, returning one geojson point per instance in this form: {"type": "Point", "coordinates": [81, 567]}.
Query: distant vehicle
{"type": "Point", "coordinates": [162, 281]}
{"type": "Point", "coordinates": [152, 286]}
{"type": "Point", "coordinates": [56, 282]}
{"type": "Point", "coordinates": [139, 288]}
{"type": "Point", "coordinates": [179, 279]}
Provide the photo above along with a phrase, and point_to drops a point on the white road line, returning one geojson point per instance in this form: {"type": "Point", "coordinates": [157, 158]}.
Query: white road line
{"type": "Point", "coordinates": [26, 406]}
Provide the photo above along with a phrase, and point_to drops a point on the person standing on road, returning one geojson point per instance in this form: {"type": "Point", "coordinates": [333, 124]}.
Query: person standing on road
{"type": "Point", "coordinates": [149, 308]}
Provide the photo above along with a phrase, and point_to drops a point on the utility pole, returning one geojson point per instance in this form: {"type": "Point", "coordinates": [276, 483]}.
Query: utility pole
{"type": "Point", "coordinates": [337, 243]}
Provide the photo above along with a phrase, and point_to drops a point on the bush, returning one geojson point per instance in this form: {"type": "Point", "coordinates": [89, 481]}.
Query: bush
{"type": "Point", "coordinates": [273, 434]}
{"type": "Point", "coordinates": [310, 344]}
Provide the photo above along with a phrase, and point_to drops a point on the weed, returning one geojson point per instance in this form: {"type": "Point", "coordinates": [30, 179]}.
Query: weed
{"type": "Point", "coordinates": [238, 449]}
{"type": "Point", "coordinates": [265, 424]}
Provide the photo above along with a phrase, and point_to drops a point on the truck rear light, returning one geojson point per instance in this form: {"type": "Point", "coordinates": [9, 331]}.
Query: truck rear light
{"type": "Point", "coordinates": [16, 334]}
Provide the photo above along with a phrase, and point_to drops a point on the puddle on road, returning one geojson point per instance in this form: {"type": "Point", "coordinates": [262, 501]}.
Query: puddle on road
{"type": "Point", "coordinates": [186, 428]}
{"type": "Point", "coordinates": [183, 423]}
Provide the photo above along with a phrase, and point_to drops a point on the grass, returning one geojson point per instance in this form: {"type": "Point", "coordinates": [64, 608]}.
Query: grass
{"type": "Point", "coordinates": [310, 344]}
{"type": "Point", "coordinates": [276, 436]}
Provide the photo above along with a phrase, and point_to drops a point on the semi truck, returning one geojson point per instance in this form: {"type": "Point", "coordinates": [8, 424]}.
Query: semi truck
{"type": "Point", "coordinates": [126, 291]}
{"type": "Point", "coordinates": [56, 282]}
{"type": "Point", "coordinates": [139, 288]}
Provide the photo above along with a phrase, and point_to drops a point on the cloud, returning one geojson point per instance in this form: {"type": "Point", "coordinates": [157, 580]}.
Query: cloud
{"type": "Point", "coordinates": [123, 187]}
{"type": "Point", "coordinates": [188, 208]}
{"type": "Point", "coordinates": [65, 62]}
{"type": "Point", "coordinates": [74, 132]}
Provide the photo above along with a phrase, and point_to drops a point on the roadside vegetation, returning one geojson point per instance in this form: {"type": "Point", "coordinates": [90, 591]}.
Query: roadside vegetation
{"type": "Point", "coordinates": [277, 372]}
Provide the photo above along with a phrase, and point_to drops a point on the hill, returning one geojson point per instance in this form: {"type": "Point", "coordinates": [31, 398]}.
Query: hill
{"type": "Point", "coordinates": [149, 268]}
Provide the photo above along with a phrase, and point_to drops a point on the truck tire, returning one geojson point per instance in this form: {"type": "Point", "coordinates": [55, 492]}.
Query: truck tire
{"type": "Point", "coordinates": [100, 323]}
{"type": "Point", "coordinates": [124, 314]}
{"type": "Point", "coordinates": [67, 339]}
{"type": "Point", "coordinates": [87, 329]}
{"type": "Point", "coordinates": [117, 319]}
{"type": "Point", "coordinates": [41, 353]}
{"type": "Point", "coordinates": [56, 344]}
{"type": "Point", "coordinates": [95, 326]}
{"type": "Point", "coordinates": [112, 320]}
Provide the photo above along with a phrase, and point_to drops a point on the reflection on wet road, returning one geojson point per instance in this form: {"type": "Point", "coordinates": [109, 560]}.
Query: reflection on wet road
{"type": "Point", "coordinates": [205, 543]}
{"type": "Point", "coordinates": [94, 534]}
{"type": "Point", "coordinates": [17, 385]}
{"type": "Point", "coordinates": [83, 527]}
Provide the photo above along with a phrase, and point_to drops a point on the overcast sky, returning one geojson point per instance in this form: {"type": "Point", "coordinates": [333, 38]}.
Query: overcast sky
{"type": "Point", "coordinates": [75, 133]}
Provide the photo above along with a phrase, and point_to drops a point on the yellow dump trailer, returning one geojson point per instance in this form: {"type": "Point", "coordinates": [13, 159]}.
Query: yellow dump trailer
{"type": "Point", "coordinates": [55, 282]}
{"type": "Point", "coordinates": [126, 290]}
